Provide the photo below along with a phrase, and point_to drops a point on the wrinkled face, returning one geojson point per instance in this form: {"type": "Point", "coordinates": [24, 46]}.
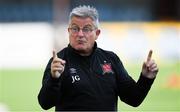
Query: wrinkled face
{"type": "Point", "coordinates": [82, 34]}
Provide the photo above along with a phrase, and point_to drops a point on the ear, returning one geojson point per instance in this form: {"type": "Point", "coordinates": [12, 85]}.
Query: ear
{"type": "Point", "coordinates": [68, 30]}
{"type": "Point", "coordinates": [98, 33]}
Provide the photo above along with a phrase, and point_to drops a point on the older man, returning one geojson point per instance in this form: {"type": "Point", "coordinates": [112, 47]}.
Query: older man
{"type": "Point", "coordinates": [85, 77]}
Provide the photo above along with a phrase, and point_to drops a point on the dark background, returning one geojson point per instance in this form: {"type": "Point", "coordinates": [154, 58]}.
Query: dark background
{"type": "Point", "coordinates": [109, 10]}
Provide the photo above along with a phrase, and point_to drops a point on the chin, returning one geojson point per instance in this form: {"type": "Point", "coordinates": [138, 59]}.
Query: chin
{"type": "Point", "coordinates": [80, 49]}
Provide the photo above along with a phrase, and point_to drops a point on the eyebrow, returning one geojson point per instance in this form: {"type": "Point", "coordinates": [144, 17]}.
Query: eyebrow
{"type": "Point", "coordinates": [88, 25]}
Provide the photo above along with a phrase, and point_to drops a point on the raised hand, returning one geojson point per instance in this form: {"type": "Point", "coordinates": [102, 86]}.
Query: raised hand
{"type": "Point", "coordinates": [149, 68]}
{"type": "Point", "coordinates": [57, 66]}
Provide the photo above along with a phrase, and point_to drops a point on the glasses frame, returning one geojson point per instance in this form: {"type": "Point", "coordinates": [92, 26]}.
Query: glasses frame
{"type": "Point", "coordinates": [84, 29]}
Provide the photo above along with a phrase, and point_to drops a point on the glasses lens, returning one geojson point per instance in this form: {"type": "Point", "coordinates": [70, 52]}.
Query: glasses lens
{"type": "Point", "coordinates": [84, 30]}
{"type": "Point", "coordinates": [74, 29]}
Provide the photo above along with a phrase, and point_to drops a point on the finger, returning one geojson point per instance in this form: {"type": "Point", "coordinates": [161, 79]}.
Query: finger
{"type": "Point", "coordinates": [63, 62]}
{"type": "Point", "coordinates": [150, 63]}
{"type": "Point", "coordinates": [54, 54]}
{"type": "Point", "coordinates": [57, 69]}
{"type": "Point", "coordinates": [58, 60]}
{"type": "Point", "coordinates": [154, 69]}
{"type": "Point", "coordinates": [149, 55]}
{"type": "Point", "coordinates": [153, 65]}
{"type": "Point", "coordinates": [57, 66]}
{"type": "Point", "coordinates": [151, 68]}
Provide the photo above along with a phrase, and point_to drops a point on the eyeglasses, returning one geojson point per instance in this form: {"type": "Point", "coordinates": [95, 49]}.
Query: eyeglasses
{"type": "Point", "coordinates": [85, 30]}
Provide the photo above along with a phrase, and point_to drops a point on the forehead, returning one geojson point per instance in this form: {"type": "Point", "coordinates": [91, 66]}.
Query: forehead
{"type": "Point", "coordinates": [81, 22]}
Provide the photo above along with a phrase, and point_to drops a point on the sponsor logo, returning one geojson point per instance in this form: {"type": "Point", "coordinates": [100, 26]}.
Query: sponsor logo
{"type": "Point", "coordinates": [72, 70]}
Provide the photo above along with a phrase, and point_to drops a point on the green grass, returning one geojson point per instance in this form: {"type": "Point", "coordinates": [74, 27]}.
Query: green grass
{"type": "Point", "coordinates": [19, 89]}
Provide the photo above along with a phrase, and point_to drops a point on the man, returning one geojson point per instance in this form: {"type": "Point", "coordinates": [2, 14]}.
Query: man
{"type": "Point", "coordinates": [85, 77]}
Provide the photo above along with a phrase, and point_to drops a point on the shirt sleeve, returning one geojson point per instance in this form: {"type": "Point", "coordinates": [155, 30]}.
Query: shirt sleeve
{"type": "Point", "coordinates": [130, 91]}
{"type": "Point", "coordinates": [50, 89]}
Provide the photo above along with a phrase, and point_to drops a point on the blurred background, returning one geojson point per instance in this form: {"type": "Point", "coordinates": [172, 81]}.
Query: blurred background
{"type": "Point", "coordinates": [31, 29]}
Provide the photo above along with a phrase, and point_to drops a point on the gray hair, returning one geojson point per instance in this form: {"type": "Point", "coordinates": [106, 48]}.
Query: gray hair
{"type": "Point", "coordinates": [84, 12]}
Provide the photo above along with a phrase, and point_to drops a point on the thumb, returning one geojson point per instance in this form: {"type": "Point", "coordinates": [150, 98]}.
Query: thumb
{"type": "Point", "coordinates": [144, 69]}
{"type": "Point", "coordinates": [144, 65]}
{"type": "Point", "coordinates": [54, 54]}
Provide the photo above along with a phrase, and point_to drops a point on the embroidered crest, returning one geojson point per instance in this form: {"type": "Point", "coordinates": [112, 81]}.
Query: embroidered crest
{"type": "Point", "coordinates": [106, 68]}
{"type": "Point", "coordinates": [72, 71]}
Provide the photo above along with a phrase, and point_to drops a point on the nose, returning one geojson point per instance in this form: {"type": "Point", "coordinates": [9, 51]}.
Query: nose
{"type": "Point", "coordinates": [80, 33]}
